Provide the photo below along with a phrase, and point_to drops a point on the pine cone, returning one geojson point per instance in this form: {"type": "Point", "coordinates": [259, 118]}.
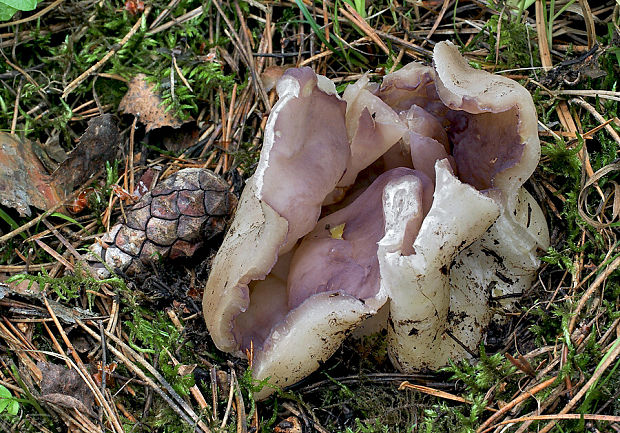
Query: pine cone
{"type": "Point", "coordinates": [170, 221]}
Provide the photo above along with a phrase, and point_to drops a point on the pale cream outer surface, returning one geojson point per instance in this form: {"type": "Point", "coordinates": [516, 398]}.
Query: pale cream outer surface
{"type": "Point", "coordinates": [436, 296]}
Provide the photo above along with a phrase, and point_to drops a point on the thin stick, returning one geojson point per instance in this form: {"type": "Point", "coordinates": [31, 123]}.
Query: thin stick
{"type": "Point", "coordinates": [163, 14]}
{"type": "Point", "coordinates": [543, 44]}
{"type": "Point", "coordinates": [248, 60]}
{"type": "Point", "coordinates": [132, 134]}
{"type": "Point", "coordinates": [403, 43]}
{"type": "Point", "coordinates": [597, 116]}
{"type": "Point", "coordinates": [229, 123]}
{"type": "Point", "coordinates": [442, 12]}
{"type": "Point", "coordinates": [576, 416]}
{"type": "Point", "coordinates": [140, 373]}
{"type": "Point", "coordinates": [79, 367]}
{"type": "Point", "coordinates": [16, 109]}
{"type": "Point", "coordinates": [597, 282]}
{"type": "Point", "coordinates": [607, 361]}
{"type": "Point", "coordinates": [589, 19]}
{"type": "Point", "coordinates": [297, 413]}
{"type": "Point", "coordinates": [179, 20]}
{"type": "Point", "coordinates": [71, 87]}
{"type": "Point", "coordinates": [155, 373]}
{"type": "Point", "coordinates": [527, 394]}
{"type": "Point", "coordinates": [603, 94]}
{"type": "Point", "coordinates": [437, 393]}
{"type": "Point", "coordinates": [355, 17]}
{"type": "Point", "coordinates": [57, 344]}
{"type": "Point", "coordinates": [229, 404]}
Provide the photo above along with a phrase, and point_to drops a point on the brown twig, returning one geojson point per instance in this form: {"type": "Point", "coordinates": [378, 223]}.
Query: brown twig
{"type": "Point", "coordinates": [190, 421]}
{"type": "Point", "coordinates": [607, 361]}
{"type": "Point", "coordinates": [79, 367]}
{"type": "Point", "coordinates": [597, 116]}
{"type": "Point", "coordinates": [525, 395]}
{"type": "Point", "coordinates": [584, 298]}
{"type": "Point", "coordinates": [72, 85]}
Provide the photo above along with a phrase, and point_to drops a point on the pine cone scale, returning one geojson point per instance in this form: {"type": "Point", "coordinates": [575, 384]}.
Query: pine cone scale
{"type": "Point", "coordinates": [172, 220]}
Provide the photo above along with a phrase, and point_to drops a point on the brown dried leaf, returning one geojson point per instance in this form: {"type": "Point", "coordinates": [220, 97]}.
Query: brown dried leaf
{"type": "Point", "coordinates": [65, 388]}
{"type": "Point", "coordinates": [141, 101]}
{"type": "Point", "coordinates": [180, 139]}
{"type": "Point", "coordinates": [23, 179]}
{"type": "Point", "coordinates": [184, 370]}
{"type": "Point", "coordinates": [97, 145]}
{"type": "Point", "coordinates": [51, 154]}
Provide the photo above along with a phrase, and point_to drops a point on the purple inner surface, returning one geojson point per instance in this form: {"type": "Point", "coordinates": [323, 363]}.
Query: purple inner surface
{"type": "Point", "coordinates": [308, 156]}
{"type": "Point", "coordinates": [478, 146]}
{"type": "Point", "coordinates": [349, 265]}
{"type": "Point", "coordinates": [481, 145]}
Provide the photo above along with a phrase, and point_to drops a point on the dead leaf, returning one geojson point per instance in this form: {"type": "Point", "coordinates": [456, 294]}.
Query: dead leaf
{"type": "Point", "coordinates": [24, 182]}
{"type": "Point", "coordinates": [98, 144]}
{"type": "Point", "coordinates": [184, 370]}
{"type": "Point", "coordinates": [23, 179]}
{"type": "Point", "coordinates": [141, 101]}
{"type": "Point", "coordinates": [65, 387]}
{"type": "Point", "coordinates": [51, 154]}
{"type": "Point", "coordinates": [180, 139]}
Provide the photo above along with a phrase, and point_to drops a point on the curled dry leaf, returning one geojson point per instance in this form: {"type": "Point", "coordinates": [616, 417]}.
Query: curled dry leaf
{"type": "Point", "coordinates": [96, 146]}
{"type": "Point", "coordinates": [610, 199]}
{"type": "Point", "coordinates": [24, 181]}
{"type": "Point", "coordinates": [65, 387]}
{"type": "Point", "coordinates": [141, 101]}
{"type": "Point", "coordinates": [289, 425]}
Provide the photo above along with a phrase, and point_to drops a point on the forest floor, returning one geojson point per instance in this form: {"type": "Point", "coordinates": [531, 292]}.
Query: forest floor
{"type": "Point", "coordinates": [132, 353]}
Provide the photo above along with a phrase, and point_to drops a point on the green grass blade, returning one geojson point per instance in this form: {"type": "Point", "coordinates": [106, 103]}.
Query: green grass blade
{"type": "Point", "coordinates": [315, 26]}
{"type": "Point", "coordinates": [67, 218]}
{"type": "Point", "coordinates": [11, 222]}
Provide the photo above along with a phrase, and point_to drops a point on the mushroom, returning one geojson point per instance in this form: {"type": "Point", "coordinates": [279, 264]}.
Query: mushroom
{"type": "Point", "coordinates": [443, 227]}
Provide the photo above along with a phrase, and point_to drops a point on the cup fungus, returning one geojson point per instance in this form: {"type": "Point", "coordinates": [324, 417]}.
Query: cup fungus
{"type": "Point", "coordinates": [419, 181]}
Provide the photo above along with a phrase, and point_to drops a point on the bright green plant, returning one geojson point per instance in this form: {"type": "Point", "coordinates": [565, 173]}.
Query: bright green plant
{"type": "Point", "coordinates": [8, 403]}
{"type": "Point", "coordinates": [8, 8]}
